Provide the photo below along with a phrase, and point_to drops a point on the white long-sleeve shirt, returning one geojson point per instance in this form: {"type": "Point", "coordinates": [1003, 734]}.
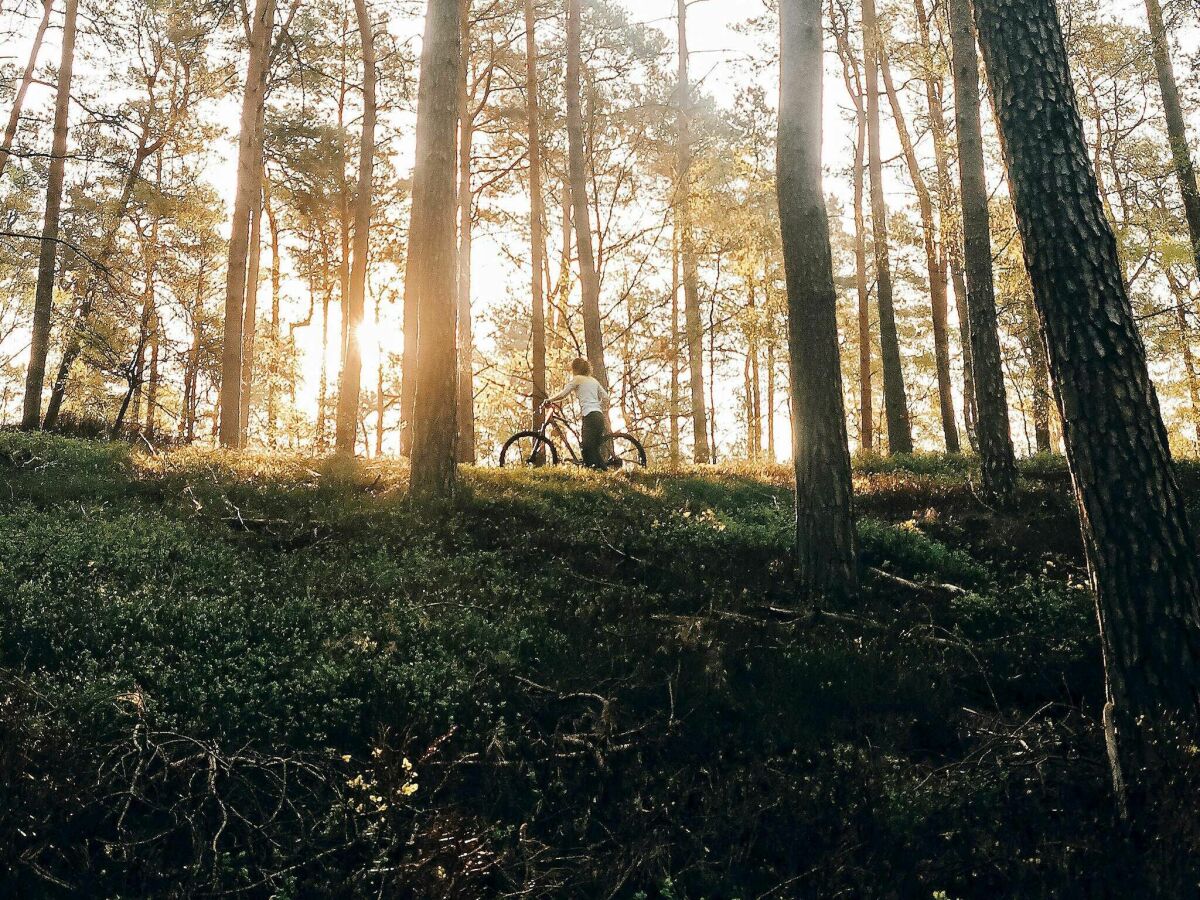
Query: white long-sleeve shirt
{"type": "Point", "coordinates": [588, 391]}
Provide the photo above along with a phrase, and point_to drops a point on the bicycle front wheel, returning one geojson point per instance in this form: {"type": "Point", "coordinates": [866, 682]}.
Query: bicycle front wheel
{"type": "Point", "coordinates": [625, 451]}
{"type": "Point", "coordinates": [530, 449]}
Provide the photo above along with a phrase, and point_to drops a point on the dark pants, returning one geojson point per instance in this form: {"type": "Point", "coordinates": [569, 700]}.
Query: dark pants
{"type": "Point", "coordinates": [594, 431]}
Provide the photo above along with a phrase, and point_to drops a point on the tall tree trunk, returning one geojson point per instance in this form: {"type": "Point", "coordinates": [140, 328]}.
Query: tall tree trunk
{"type": "Point", "coordinates": [381, 404]}
{"type": "Point", "coordinates": [991, 402]}
{"type": "Point", "coordinates": [434, 471]}
{"type": "Point", "coordinates": [933, 262]}
{"type": "Point", "coordinates": [249, 187]}
{"type": "Point", "coordinates": [351, 385]}
{"type": "Point", "coordinates": [1140, 545]}
{"type": "Point", "coordinates": [1185, 170]}
{"type": "Point", "coordinates": [949, 219]}
{"type": "Point", "coordinates": [589, 278]}
{"type": "Point", "coordinates": [276, 279]}
{"type": "Point", "coordinates": [771, 402]}
{"type": "Point", "coordinates": [250, 318]}
{"type": "Point", "coordinates": [701, 451]}
{"type": "Point", "coordinates": [43, 302]}
{"type": "Point", "coordinates": [1039, 371]}
{"type": "Point", "coordinates": [14, 116]}
{"type": "Point", "coordinates": [151, 426]}
{"type": "Point", "coordinates": [537, 213]}
{"type": "Point", "coordinates": [673, 350]}
{"type": "Point", "coordinates": [466, 208]}
{"type": "Point", "coordinates": [895, 400]}
{"type": "Point", "coordinates": [323, 378]}
{"type": "Point", "coordinates": [825, 539]}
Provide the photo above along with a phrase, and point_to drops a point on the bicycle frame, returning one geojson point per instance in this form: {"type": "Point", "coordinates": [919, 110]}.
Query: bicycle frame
{"type": "Point", "coordinates": [563, 430]}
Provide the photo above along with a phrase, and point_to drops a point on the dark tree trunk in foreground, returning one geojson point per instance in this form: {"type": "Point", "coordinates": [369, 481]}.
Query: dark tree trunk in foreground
{"type": "Point", "coordinates": [249, 187]}
{"type": "Point", "coordinates": [701, 452]}
{"type": "Point", "coordinates": [351, 386]}
{"type": "Point", "coordinates": [1139, 541]}
{"type": "Point", "coordinates": [589, 278]}
{"type": "Point", "coordinates": [825, 539]}
{"type": "Point", "coordinates": [537, 237]}
{"type": "Point", "coordinates": [435, 426]}
{"type": "Point", "coordinates": [992, 430]}
{"type": "Point", "coordinates": [895, 400]}
{"type": "Point", "coordinates": [14, 115]}
{"type": "Point", "coordinates": [43, 302]}
{"type": "Point", "coordinates": [1181, 155]}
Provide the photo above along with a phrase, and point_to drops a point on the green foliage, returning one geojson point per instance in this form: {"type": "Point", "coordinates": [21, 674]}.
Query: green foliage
{"type": "Point", "coordinates": [274, 675]}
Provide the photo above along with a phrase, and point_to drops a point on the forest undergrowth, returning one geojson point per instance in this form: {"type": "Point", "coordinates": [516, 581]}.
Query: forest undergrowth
{"type": "Point", "coordinates": [267, 676]}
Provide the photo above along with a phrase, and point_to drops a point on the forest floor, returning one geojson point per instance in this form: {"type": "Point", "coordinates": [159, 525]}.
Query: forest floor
{"type": "Point", "coordinates": [273, 677]}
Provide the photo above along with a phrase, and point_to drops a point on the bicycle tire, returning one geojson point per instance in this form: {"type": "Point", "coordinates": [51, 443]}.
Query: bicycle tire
{"type": "Point", "coordinates": [626, 451]}
{"type": "Point", "coordinates": [512, 455]}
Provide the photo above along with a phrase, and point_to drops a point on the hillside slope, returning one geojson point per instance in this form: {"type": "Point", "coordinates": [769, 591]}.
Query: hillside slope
{"type": "Point", "coordinates": [273, 676]}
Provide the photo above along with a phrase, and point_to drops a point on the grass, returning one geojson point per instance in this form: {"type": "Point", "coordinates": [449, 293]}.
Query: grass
{"type": "Point", "coordinates": [273, 676]}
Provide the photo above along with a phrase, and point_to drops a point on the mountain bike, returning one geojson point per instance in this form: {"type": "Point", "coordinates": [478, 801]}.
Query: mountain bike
{"type": "Point", "coordinates": [538, 448]}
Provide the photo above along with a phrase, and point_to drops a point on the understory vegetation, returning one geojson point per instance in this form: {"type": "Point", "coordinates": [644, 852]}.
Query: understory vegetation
{"type": "Point", "coordinates": [274, 677]}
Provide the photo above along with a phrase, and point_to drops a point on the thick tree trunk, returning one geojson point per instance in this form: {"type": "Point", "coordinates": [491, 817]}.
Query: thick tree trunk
{"type": "Point", "coordinates": [351, 385]}
{"type": "Point", "coordinates": [934, 265]}
{"type": "Point", "coordinates": [434, 470]}
{"type": "Point", "coordinates": [1140, 546]}
{"type": "Point", "coordinates": [701, 451]}
{"type": "Point", "coordinates": [249, 186]}
{"type": "Point", "coordinates": [1181, 154]}
{"type": "Point", "coordinates": [43, 302]}
{"type": "Point", "coordinates": [250, 318]}
{"type": "Point", "coordinates": [895, 400]}
{"type": "Point", "coordinates": [589, 278]}
{"type": "Point", "coordinates": [466, 209]}
{"type": "Point", "coordinates": [825, 538]}
{"type": "Point", "coordinates": [537, 213]}
{"type": "Point", "coordinates": [14, 116]}
{"type": "Point", "coordinates": [276, 279]}
{"type": "Point", "coordinates": [991, 402]}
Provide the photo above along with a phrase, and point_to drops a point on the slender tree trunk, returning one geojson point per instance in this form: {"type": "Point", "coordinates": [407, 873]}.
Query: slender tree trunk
{"type": "Point", "coordinates": [276, 279]}
{"type": "Point", "coordinates": [250, 318]}
{"type": "Point", "coordinates": [894, 397]}
{"type": "Point", "coordinates": [537, 214]}
{"type": "Point", "coordinates": [948, 208]}
{"type": "Point", "coordinates": [1140, 545]}
{"type": "Point", "coordinates": [323, 379]}
{"type": "Point", "coordinates": [701, 451]}
{"type": "Point", "coordinates": [151, 427]}
{"type": "Point", "coordinates": [249, 187]}
{"type": "Point", "coordinates": [351, 386]}
{"type": "Point", "coordinates": [1185, 170]}
{"type": "Point", "coordinates": [466, 208]}
{"type": "Point", "coordinates": [380, 400]}
{"type": "Point", "coordinates": [771, 402]}
{"type": "Point", "coordinates": [1039, 371]}
{"type": "Point", "coordinates": [43, 302]}
{"type": "Point", "coordinates": [673, 350]}
{"type": "Point", "coordinates": [991, 402]}
{"type": "Point", "coordinates": [589, 278]}
{"type": "Point", "coordinates": [14, 116]}
{"type": "Point", "coordinates": [826, 549]}
{"type": "Point", "coordinates": [434, 472]}
{"type": "Point", "coordinates": [933, 263]}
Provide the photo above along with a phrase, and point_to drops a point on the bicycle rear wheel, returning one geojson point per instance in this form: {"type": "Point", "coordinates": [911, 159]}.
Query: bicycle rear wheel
{"type": "Point", "coordinates": [530, 449]}
{"type": "Point", "coordinates": [625, 451]}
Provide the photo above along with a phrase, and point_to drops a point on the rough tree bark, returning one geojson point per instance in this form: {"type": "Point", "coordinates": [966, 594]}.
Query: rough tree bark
{"type": "Point", "coordinates": [895, 400]}
{"type": "Point", "coordinates": [350, 388]}
{"type": "Point", "coordinates": [434, 469]}
{"type": "Point", "coordinates": [992, 429]}
{"type": "Point", "coordinates": [466, 209]}
{"type": "Point", "coordinates": [825, 537]}
{"type": "Point", "coordinates": [43, 303]}
{"type": "Point", "coordinates": [249, 186]}
{"type": "Point", "coordinates": [701, 451]}
{"type": "Point", "coordinates": [589, 278]}
{"type": "Point", "coordinates": [14, 116]}
{"type": "Point", "coordinates": [1140, 545]}
{"type": "Point", "coordinates": [250, 318]}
